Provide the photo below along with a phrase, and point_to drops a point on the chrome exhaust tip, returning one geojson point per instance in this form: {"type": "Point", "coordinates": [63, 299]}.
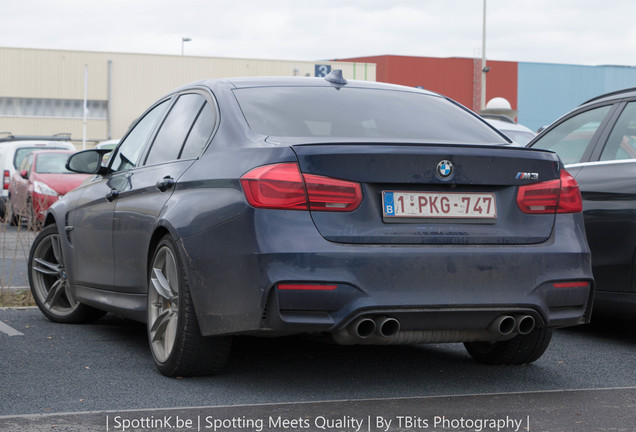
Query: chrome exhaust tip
{"type": "Point", "coordinates": [503, 325]}
{"type": "Point", "coordinates": [524, 324]}
{"type": "Point", "coordinates": [387, 327]}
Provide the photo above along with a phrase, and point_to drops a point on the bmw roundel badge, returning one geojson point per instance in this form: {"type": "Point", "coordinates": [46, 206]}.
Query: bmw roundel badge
{"type": "Point", "coordinates": [445, 169]}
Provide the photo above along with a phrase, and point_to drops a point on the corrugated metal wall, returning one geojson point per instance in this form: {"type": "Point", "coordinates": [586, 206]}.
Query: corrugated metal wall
{"type": "Point", "coordinates": [453, 77]}
{"type": "Point", "coordinates": [137, 80]}
{"type": "Point", "coordinates": [548, 91]}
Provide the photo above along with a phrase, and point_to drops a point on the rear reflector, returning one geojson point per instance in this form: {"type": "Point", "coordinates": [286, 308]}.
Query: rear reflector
{"type": "Point", "coordinates": [306, 287]}
{"type": "Point", "coordinates": [554, 196]}
{"type": "Point", "coordinates": [578, 284]}
{"type": "Point", "coordinates": [284, 187]}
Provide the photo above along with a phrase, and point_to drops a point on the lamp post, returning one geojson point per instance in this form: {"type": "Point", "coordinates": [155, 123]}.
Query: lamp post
{"type": "Point", "coordinates": [183, 41]}
{"type": "Point", "coordinates": [484, 68]}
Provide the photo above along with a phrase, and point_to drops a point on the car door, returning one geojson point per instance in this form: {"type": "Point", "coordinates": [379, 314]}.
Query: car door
{"type": "Point", "coordinates": [597, 148]}
{"type": "Point", "coordinates": [608, 187]}
{"type": "Point", "coordinates": [91, 223]}
{"type": "Point", "coordinates": [142, 198]}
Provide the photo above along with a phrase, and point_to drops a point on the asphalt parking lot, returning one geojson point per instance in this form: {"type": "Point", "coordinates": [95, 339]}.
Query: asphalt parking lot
{"type": "Point", "coordinates": [100, 377]}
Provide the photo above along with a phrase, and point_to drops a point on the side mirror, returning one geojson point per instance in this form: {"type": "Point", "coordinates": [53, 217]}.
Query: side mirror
{"type": "Point", "coordinates": [24, 174]}
{"type": "Point", "coordinates": [86, 162]}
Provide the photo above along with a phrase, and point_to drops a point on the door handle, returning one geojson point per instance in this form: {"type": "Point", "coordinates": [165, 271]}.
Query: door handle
{"type": "Point", "coordinates": [165, 183]}
{"type": "Point", "coordinates": [112, 194]}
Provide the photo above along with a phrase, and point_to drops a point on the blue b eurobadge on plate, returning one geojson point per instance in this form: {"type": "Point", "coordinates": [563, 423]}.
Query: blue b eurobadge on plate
{"type": "Point", "coordinates": [389, 208]}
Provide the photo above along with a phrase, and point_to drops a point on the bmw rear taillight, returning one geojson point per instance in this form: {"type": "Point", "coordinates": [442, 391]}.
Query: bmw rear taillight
{"type": "Point", "coordinates": [6, 179]}
{"type": "Point", "coordinates": [554, 196]}
{"type": "Point", "coordinates": [283, 186]}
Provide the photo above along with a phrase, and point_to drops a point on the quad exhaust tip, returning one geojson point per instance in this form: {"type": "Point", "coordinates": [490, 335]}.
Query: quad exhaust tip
{"type": "Point", "coordinates": [364, 327]}
{"type": "Point", "coordinates": [386, 327]}
{"type": "Point", "coordinates": [381, 326]}
{"type": "Point", "coordinates": [506, 325]}
{"type": "Point", "coordinates": [524, 324]}
{"type": "Point", "coordinates": [503, 325]}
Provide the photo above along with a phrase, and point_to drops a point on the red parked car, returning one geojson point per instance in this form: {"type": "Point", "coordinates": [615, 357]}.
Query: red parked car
{"type": "Point", "coordinates": [40, 180]}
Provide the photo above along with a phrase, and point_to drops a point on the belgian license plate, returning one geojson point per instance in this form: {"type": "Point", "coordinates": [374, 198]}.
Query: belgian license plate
{"type": "Point", "coordinates": [439, 205]}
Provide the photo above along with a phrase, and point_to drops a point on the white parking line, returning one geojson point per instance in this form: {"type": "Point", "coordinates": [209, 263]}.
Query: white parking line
{"type": "Point", "coordinates": [9, 330]}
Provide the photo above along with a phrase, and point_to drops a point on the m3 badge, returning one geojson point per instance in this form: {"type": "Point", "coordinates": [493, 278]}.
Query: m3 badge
{"type": "Point", "coordinates": [527, 176]}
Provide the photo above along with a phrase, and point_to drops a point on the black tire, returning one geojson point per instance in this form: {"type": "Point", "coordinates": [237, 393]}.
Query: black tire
{"type": "Point", "coordinates": [519, 350]}
{"type": "Point", "coordinates": [177, 346]}
{"type": "Point", "coordinates": [48, 281]}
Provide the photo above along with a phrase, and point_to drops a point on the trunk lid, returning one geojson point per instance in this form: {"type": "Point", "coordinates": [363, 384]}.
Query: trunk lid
{"type": "Point", "coordinates": [447, 210]}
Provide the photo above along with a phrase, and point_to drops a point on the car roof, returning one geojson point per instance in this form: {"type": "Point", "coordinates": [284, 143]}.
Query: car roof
{"type": "Point", "coordinates": [247, 82]}
{"type": "Point", "coordinates": [617, 94]}
{"type": "Point", "coordinates": [9, 137]}
{"type": "Point", "coordinates": [36, 143]}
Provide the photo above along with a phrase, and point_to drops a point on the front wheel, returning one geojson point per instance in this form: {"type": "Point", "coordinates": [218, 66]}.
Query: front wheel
{"type": "Point", "coordinates": [520, 349]}
{"type": "Point", "coordinates": [49, 284]}
{"type": "Point", "coordinates": [173, 330]}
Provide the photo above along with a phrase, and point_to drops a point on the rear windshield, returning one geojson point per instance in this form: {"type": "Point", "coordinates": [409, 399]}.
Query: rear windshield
{"type": "Point", "coordinates": [352, 112]}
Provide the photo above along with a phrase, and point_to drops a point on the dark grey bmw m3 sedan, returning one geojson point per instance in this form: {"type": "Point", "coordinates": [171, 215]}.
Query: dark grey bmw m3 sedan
{"type": "Point", "coordinates": [367, 212]}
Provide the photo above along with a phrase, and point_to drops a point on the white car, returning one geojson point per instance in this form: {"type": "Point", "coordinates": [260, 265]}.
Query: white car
{"type": "Point", "coordinates": [12, 150]}
{"type": "Point", "coordinates": [109, 144]}
{"type": "Point", "coordinates": [516, 132]}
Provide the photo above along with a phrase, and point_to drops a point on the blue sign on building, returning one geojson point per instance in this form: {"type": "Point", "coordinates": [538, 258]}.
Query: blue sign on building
{"type": "Point", "coordinates": [322, 71]}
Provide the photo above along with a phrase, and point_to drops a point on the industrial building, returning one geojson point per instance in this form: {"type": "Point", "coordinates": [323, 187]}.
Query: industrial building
{"type": "Point", "coordinates": [539, 92]}
{"type": "Point", "coordinates": [43, 92]}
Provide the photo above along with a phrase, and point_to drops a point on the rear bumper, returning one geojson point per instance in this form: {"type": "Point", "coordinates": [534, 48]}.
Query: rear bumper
{"type": "Point", "coordinates": [448, 292]}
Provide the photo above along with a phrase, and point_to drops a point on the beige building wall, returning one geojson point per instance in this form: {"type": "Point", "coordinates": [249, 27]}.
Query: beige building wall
{"type": "Point", "coordinates": [121, 85]}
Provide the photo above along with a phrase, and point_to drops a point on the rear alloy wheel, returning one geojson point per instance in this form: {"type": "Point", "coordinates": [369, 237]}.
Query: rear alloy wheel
{"type": "Point", "coordinates": [520, 349]}
{"type": "Point", "coordinates": [173, 330]}
{"type": "Point", "coordinates": [49, 284]}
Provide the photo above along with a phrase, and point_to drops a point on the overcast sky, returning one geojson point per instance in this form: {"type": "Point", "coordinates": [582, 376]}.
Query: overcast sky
{"type": "Point", "coordinates": [589, 32]}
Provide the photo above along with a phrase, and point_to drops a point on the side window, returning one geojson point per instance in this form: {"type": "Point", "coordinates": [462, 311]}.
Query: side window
{"type": "Point", "coordinates": [200, 133]}
{"type": "Point", "coordinates": [21, 153]}
{"type": "Point", "coordinates": [175, 129]}
{"type": "Point", "coordinates": [621, 143]}
{"type": "Point", "coordinates": [571, 138]}
{"type": "Point", "coordinates": [26, 164]}
{"type": "Point", "coordinates": [127, 156]}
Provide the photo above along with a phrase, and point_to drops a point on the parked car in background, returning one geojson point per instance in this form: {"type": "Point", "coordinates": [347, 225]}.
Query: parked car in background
{"type": "Point", "coordinates": [367, 212]}
{"type": "Point", "coordinates": [518, 133]}
{"type": "Point", "coordinates": [107, 145]}
{"type": "Point", "coordinates": [14, 148]}
{"type": "Point", "coordinates": [597, 143]}
{"type": "Point", "coordinates": [40, 180]}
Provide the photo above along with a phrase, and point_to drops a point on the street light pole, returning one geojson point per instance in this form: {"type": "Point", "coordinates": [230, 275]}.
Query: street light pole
{"type": "Point", "coordinates": [183, 41]}
{"type": "Point", "coordinates": [484, 68]}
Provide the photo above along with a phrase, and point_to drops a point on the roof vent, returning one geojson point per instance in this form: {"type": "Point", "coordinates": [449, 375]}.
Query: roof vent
{"type": "Point", "coordinates": [335, 77]}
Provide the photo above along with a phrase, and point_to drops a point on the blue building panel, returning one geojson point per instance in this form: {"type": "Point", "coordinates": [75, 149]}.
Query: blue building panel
{"type": "Point", "coordinates": [546, 91]}
{"type": "Point", "coordinates": [619, 77]}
